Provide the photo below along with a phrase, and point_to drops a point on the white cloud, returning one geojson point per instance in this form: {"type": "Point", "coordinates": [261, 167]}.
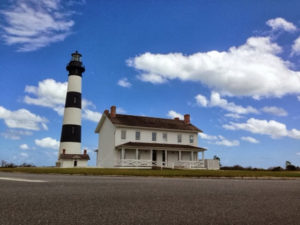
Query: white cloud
{"type": "Point", "coordinates": [201, 100]}
{"type": "Point", "coordinates": [24, 155]}
{"type": "Point", "coordinates": [298, 97]}
{"type": "Point", "coordinates": [226, 142]}
{"type": "Point", "coordinates": [280, 23]}
{"type": "Point", "coordinates": [233, 115]}
{"type": "Point", "coordinates": [272, 128]}
{"type": "Point", "coordinates": [33, 24]}
{"type": "Point", "coordinates": [207, 137]}
{"type": "Point", "coordinates": [219, 140]}
{"type": "Point", "coordinates": [172, 114]}
{"type": "Point", "coordinates": [22, 118]}
{"type": "Point", "coordinates": [14, 134]}
{"type": "Point", "coordinates": [24, 146]}
{"type": "Point", "coordinates": [296, 47]}
{"type": "Point", "coordinates": [250, 139]}
{"type": "Point", "coordinates": [274, 110]}
{"type": "Point", "coordinates": [52, 94]}
{"type": "Point", "coordinates": [120, 110]}
{"type": "Point", "coordinates": [124, 83]}
{"type": "Point", "coordinates": [298, 153]}
{"type": "Point", "coordinates": [47, 142]}
{"type": "Point", "coordinates": [217, 101]}
{"type": "Point", "coordinates": [91, 115]}
{"type": "Point", "coordinates": [233, 72]}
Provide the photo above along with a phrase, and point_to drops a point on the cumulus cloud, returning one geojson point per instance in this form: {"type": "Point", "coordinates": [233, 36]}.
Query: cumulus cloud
{"type": "Point", "coordinates": [281, 24]}
{"type": "Point", "coordinates": [217, 101]}
{"type": "Point", "coordinates": [172, 114]}
{"type": "Point", "coordinates": [24, 155]}
{"type": "Point", "coordinates": [241, 71]}
{"type": "Point", "coordinates": [33, 24]}
{"type": "Point", "coordinates": [15, 134]}
{"type": "Point", "coordinates": [124, 83]}
{"type": "Point", "coordinates": [250, 139]}
{"type": "Point", "coordinates": [272, 128]}
{"type": "Point", "coordinates": [233, 115]}
{"type": "Point", "coordinates": [296, 47]}
{"type": "Point", "coordinates": [24, 146]}
{"type": "Point", "coordinates": [219, 140]}
{"type": "Point", "coordinates": [274, 110]}
{"type": "Point", "coordinates": [52, 94]}
{"type": "Point", "coordinates": [22, 118]}
{"type": "Point", "coordinates": [91, 115]}
{"type": "Point", "coordinates": [47, 142]}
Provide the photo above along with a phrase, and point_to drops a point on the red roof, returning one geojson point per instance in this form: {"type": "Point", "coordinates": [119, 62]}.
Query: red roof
{"type": "Point", "coordinates": [151, 122]}
{"type": "Point", "coordinates": [160, 146]}
{"type": "Point", "coordinates": [75, 156]}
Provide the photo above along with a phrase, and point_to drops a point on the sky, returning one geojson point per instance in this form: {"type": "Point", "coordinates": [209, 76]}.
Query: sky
{"type": "Point", "coordinates": [232, 65]}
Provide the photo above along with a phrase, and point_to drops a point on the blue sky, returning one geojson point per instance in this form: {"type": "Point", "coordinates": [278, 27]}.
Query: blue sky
{"type": "Point", "coordinates": [234, 66]}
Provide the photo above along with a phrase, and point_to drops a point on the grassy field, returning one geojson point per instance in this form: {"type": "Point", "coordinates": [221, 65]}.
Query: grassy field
{"type": "Point", "coordinates": [156, 173]}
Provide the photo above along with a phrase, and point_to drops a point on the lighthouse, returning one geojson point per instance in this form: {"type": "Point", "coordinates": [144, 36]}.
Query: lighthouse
{"type": "Point", "coordinates": [70, 154]}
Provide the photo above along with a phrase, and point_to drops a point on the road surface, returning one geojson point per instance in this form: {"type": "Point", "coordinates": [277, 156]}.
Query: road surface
{"type": "Point", "coordinates": [71, 200]}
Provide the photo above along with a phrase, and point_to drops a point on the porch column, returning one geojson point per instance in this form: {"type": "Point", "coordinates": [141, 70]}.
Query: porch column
{"type": "Point", "coordinates": [202, 155]}
{"type": "Point", "coordinates": [192, 156]}
{"type": "Point", "coordinates": [137, 153]}
{"type": "Point", "coordinates": [122, 153]}
{"type": "Point", "coordinates": [179, 155]}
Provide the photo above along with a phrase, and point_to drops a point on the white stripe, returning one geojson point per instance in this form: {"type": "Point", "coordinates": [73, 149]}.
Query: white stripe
{"type": "Point", "coordinates": [22, 180]}
{"type": "Point", "coordinates": [72, 116]}
{"type": "Point", "coordinates": [74, 83]}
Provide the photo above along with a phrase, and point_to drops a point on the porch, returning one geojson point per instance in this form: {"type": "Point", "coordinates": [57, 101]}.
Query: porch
{"type": "Point", "coordinates": [149, 155]}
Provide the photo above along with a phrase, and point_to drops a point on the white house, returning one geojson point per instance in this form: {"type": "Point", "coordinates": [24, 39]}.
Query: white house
{"type": "Point", "coordinates": [129, 141]}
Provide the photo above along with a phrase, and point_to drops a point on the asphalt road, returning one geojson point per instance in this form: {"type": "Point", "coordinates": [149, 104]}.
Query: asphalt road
{"type": "Point", "coordinates": [73, 200]}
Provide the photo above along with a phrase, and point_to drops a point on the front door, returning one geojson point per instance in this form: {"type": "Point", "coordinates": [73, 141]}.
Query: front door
{"type": "Point", "coordinates": [154, 156]}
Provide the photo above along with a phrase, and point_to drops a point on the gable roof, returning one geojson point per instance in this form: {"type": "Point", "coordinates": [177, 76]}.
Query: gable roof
{"type": "Point", "coordinates": [148, 122]}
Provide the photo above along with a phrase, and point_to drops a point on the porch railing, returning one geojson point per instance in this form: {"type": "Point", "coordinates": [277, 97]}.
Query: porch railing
{"type": "Point", "coordinates": [149, 163]}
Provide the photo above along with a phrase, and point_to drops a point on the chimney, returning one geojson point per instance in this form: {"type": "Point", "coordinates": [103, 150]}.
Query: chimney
{"type": "Point", "coordinates": [187, 118]}
{"type": "Point", "coordinates": [106, 112]}
{"type": "Point", "coordinates": [64, 151]}
{"type": "Point", "coordinates": [113, 111]}
{"type": "Point", "coordinates": [176, 118]}
{"type": "Point", "coordinates": [84, 151]}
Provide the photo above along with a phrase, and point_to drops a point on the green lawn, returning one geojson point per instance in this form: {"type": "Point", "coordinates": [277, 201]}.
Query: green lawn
{"type": "Point", "coordinates": [158, 173]}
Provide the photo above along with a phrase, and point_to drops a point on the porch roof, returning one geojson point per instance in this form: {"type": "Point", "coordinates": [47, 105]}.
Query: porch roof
{"type": "Point", "coordinates": [159, 146]}
{"type": "Point", "coordinates": [75, 156]}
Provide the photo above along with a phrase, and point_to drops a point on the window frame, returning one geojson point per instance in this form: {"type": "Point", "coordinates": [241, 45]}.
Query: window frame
{"type": "Point", "coordinates": [165, 136]}
{"type": "Point", "coordinates": [179, 138]}
{"type": "Point", "coordinates": [191, 138]}
{"type": "Point", "coordinates": [154, 136]}
{"type": "Point", "coordinates": [137, 137]}
{"type": "Point", "coordinates": [123, 134]}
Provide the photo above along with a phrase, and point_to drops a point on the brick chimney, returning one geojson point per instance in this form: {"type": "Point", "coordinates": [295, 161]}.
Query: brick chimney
{"type": "Point", "coordinates": [84, 151]}
{"type": "Point", "coordinates": [106, 112]}
{"type": "Point", "coordinates": [176, 118]}
{"type": "Point", "coordinates": [187, 118]}
{"type": "Point", "coordinates": [113, 111]}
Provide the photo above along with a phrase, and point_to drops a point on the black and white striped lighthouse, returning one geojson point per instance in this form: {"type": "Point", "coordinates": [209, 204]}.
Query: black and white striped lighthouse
{"type": "Point", "coordinates": [70, 142]}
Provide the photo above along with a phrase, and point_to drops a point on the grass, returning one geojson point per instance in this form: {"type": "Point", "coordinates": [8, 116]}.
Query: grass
{"type": "Point", "coordinates": [155, 173]}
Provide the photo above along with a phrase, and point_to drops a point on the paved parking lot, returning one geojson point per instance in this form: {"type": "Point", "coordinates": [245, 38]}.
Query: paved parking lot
{"type": "Point", "coordinates": [64, 199]}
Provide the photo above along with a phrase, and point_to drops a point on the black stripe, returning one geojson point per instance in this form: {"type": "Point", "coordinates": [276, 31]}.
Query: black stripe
{"type": "Point", "coordinates": [73, 99]}
{"type": "Point", "coordinates": [75, 68]}
{"type": "Point", "coordinates": [70, 133]}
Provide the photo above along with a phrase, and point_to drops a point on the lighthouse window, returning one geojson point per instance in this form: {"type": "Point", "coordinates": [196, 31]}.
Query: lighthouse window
{"type": "Point", "coordinates": [73, 130]}
{"type": "Point", "coordinates": [75, 99]}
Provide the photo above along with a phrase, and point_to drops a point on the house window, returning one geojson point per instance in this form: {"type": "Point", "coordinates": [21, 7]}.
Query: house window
{"type": "Point", "coordinates": [123, 134]}
{"type": "Point", "coordinates": [165, 136]}
{"type": "Point", "coordinates": [191, 138]}
{"type": "Point", "coordinates": [153, 136]}
{"type": "Point", "coordinates": [137, 135]}
{"type": "Point", "coordinates": [179, 138]}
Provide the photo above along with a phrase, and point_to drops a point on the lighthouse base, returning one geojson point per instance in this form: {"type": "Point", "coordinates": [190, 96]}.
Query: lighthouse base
{"type": "Point", "coordinates": [72, 160]}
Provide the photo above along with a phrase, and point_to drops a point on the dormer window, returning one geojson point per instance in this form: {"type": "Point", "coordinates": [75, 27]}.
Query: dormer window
{"type": "Point", "coordinates": [137, 135]}
{"type": "Point", "coordinates": [179, 138]}
{"type": "Point", "coordinates": [153, 136]}
{"type": "Point", "coordinates": [123, 134]}
{"type": "Point", "coordinates": [191, 138]}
